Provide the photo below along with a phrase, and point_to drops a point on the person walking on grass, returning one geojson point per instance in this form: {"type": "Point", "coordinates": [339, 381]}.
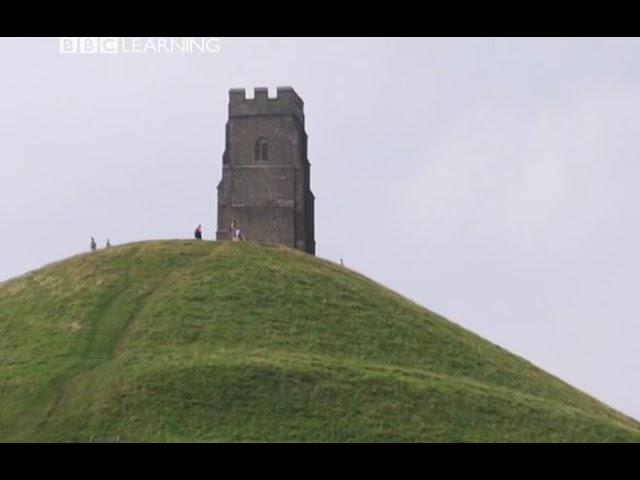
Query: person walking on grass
{"type": "Point", "coordinates": [94, 245]}
{"type": "Point", "coordinates": [198, 233]}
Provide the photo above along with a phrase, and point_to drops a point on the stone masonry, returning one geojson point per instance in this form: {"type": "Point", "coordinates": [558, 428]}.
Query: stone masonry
{"type": "Point", "coordinates": [265, 187]}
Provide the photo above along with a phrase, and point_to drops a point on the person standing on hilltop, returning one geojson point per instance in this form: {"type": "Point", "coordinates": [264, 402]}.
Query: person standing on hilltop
{"type": "Point", "coordinates": [108, 243]}
{"type": "Point", "coordinates": [93, 244]}
{"type": "Point", "coordinates": [198, 232]}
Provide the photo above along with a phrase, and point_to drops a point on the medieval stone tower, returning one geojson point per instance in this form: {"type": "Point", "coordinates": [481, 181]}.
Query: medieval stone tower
{"type": "Point", "coordinates": [265, 187]}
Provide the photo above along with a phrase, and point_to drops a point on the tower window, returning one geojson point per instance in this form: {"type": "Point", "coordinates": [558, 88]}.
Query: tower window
{"type": "Point", "coordinates": [261, 150]}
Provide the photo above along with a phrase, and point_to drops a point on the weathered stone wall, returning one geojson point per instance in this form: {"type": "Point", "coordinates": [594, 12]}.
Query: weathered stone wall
{"type": "Point", "coordinates": [266, 190]}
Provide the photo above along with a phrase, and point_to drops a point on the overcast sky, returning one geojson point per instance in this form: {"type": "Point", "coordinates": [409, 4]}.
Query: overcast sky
{"type": "Point", "coordinates": [494, 181]}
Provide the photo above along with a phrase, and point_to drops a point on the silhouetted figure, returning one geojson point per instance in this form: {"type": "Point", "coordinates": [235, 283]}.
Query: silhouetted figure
{"type": "Point", "coordinates": [341, 263]}
{"type": "Point", "coordinates": [198, 232]}
{"type": "Point", "coordinates": [108, 243]}
{"type": "Point", "coordinates": [94, 245]}
{"type": "Point", "coordinates": [238, 235]}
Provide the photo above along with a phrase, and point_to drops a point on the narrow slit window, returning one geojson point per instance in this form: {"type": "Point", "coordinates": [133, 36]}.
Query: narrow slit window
{"type": "Point", "coordinates": [261, 150]}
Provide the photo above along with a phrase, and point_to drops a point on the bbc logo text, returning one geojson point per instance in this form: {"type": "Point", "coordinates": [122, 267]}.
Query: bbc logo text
{"type": "Point", "coordinates": [138, 45]}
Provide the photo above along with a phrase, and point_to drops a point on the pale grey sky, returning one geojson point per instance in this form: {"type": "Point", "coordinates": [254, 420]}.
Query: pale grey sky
{"type": "Point", "coordinates": [495, 181]}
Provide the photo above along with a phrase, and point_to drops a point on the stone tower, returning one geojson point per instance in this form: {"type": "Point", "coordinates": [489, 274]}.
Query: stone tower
{"type": "Point", "coordinates": [265, 187]}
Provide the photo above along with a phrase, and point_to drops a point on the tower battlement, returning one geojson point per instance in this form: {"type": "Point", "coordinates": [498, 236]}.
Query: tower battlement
{"type": "Point", "coordinates": [286, 102]}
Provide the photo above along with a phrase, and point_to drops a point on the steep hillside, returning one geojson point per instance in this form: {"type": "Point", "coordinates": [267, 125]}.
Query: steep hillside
{"type": "Point", "coordinates": [206, 341]}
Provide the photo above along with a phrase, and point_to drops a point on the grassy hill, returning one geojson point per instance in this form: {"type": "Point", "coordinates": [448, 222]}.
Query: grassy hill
{"type": "Point", "coordinates": [211, 341]}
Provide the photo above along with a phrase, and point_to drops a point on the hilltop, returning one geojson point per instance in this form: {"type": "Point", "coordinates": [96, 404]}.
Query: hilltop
{"type": "Point", "coordinates": [224, 341]}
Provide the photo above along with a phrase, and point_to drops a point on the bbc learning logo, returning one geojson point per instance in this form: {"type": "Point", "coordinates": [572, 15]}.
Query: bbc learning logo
{"type": "Point", "coordinates": [125, 45]}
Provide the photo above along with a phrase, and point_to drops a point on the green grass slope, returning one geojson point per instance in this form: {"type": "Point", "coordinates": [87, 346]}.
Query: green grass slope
{"type": "Point", "coordinates": [219, 341]}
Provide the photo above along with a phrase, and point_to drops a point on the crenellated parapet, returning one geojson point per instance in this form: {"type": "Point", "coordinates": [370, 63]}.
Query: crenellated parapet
{"type": "Point", "coordinates": [286, 102]}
